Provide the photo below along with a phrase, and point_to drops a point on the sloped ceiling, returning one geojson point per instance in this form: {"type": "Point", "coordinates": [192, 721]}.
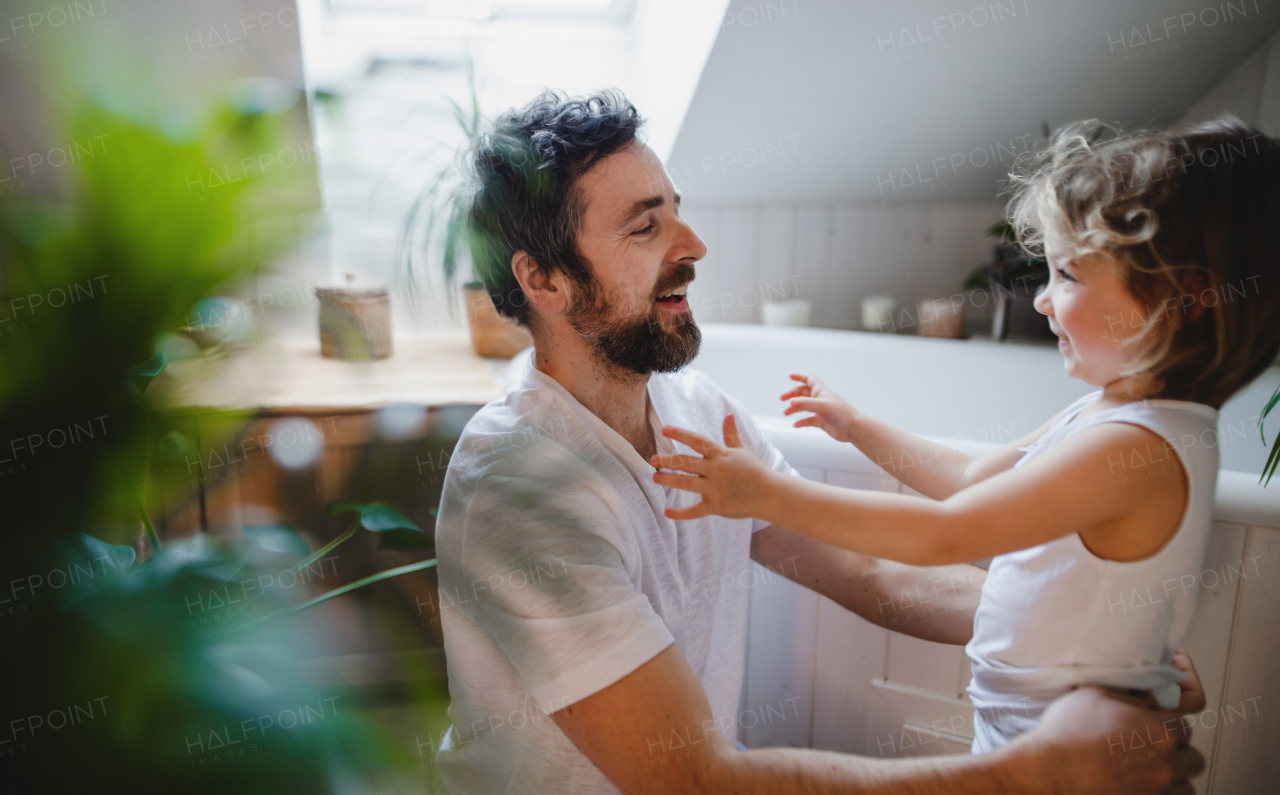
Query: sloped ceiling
{"type": "Point", "coordinates": [838, 100]}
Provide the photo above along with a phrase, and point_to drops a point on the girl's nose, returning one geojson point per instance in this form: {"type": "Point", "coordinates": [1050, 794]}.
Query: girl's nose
{"type": "Point", "coordinates": [1042, 303]}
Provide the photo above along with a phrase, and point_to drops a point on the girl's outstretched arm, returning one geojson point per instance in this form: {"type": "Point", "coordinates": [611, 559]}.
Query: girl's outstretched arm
{"type": "Point", "coordinates": [1074, 486]}
{"type": "Point", "coordinates": [935, 470]}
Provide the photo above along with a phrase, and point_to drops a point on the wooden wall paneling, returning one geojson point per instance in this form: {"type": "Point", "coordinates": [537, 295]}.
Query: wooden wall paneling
{"type": "Point", "coordinates": [913, 225]}
{"type": "Point", "coordinates": [850, 654]}
{"type": "Point", "coordinates": [945, 257]}
{"type": "Point", "coordinates": [841, 253]}
{"type": "Point", "coordinates": [813, 261]}
{"type": "Point", "coordinates": [1208, 640]}
{"type": "Point", "coordinates": [777, 249]}
{"type": "Point", "coordinates": [1247, 718]}
{"type": "Point", "coordinates": [848, 278]}
{"type": "Point", "coordinates": [738, 299]}
{"type": "Point", "coordinates": [850, 651]}
{"type": "Point", "coordinates": [780, 652]}
{"type": "Point", "coordinates": [972, 243]}
{"type": "Point", "coordinates": [907, 721]}
{"type": "Point", "coordinates": [879, 253]}
{"type": "Point", "coordinates": [922, 663]}
{"type": "Point", "coordinates": [704, 219]}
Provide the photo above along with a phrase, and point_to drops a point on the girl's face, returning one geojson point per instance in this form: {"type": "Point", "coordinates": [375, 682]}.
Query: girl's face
{"type": "Point", "coordinates": [1092, 312]}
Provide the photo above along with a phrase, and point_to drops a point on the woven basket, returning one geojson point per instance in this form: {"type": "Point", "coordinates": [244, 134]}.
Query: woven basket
{"type": "Point", "coordinates": [355, 321]}
{"type": "Point", "coordinates": [492, 334]}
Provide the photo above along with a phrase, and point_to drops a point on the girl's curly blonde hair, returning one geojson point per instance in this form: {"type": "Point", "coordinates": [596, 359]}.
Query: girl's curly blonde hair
{"type": "Point", "coordinates": [1191, 216]}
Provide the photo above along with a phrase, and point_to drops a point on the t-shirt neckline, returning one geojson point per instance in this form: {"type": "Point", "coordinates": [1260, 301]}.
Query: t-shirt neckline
{"type": "Point", "coordinates": [608, 436]}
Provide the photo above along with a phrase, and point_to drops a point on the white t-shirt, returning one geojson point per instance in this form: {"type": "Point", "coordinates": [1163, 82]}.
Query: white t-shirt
{"type": "Point", "coordinates": [559, 575]}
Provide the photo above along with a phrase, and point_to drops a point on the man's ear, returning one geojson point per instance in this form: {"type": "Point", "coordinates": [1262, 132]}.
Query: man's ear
{"type": "Point", "coordinates": [546, 290]}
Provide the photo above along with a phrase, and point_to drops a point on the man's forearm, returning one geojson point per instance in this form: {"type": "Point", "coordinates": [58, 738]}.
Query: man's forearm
{"type": "Point", "coordinates": [794, 770]}
{"type": "Point", "coordinates": [934, 603]}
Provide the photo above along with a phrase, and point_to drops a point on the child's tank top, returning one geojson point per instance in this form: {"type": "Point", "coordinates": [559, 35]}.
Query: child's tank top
{"type": "Point", "coordinates": [1055, 615]}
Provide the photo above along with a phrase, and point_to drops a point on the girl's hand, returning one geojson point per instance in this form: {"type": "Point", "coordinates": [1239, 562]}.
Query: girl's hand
{"type": "Point", "coordinates": [730, 479]}
{"type": "Point", "coordinates": [830, 412]}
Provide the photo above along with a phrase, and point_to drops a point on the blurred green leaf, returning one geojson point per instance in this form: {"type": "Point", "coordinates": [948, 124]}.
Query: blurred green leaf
{"type": "Point", "coordinates": [277, 538]}
{"type": "Point", "coordinates": [339, 508]}
{"type": "Point", "coordinates": [375, 516]}
{"type": "Point", "coordinates": [117, 556]}
{"type": "Point", "coordinates": [380, 518]}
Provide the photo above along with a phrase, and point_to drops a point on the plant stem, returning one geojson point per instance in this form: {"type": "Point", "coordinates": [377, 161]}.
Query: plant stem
{"type": "Point", "coordinates": [146, 520]}
{"type": "Point", "coordinates": [372, 578]}
{"type": "Point", "coordinates": [320, 553]}
{"type": "Point", "coordinates": [382, 575]}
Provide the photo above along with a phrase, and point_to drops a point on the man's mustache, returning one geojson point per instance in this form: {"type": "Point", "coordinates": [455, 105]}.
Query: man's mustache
{"type": "Point", "coordinates": [682, 274]}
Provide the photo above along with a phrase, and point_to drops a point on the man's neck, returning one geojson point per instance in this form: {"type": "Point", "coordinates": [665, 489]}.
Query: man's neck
{"type": "Point", "coordinates": [618, 397]}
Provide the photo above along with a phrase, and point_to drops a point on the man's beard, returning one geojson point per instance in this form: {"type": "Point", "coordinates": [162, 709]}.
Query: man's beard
{"type": "Point", "coordinates": [638, 345]}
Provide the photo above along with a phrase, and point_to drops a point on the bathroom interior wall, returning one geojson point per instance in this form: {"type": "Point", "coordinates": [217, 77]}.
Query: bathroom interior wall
{"type": "Point", "coordinates": [834, 255]}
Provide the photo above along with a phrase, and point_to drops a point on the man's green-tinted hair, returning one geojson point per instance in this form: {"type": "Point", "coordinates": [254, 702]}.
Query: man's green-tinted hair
{"type": "Point", "coordinates": [524, 197]}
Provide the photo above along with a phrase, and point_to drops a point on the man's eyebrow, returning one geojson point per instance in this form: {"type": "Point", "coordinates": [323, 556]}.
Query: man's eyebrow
{"type": "Point", "coordinates": [642, 205]}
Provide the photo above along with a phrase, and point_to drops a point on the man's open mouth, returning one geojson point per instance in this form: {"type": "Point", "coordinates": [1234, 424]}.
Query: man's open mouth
{"type": "Point", "coordinates": [675, 297]}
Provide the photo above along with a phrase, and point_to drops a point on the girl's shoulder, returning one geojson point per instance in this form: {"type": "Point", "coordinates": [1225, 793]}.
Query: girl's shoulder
{"type": "Point", "coordinates": [1066, 415]}
{"type": "Point", "coordinates": [1075, 407]}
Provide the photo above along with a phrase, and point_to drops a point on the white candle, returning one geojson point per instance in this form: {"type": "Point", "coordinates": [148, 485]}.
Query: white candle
{"type": "Point", "coordinates": [877, 312]}
{"type": "Point", "coordinates": [791, 312]}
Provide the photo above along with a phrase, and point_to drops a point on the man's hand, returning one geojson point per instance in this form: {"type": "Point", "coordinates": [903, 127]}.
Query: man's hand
{"type": "Point", "coordinates": [731, 480]}
{"type": "Point", "coordinates": [1096, 741]}
{"type": "Point", "coordinates": [831, 412]}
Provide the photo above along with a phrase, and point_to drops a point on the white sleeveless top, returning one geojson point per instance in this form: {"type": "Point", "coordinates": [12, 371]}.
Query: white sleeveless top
{"type": "Point", "coordinates": [1055, 615]}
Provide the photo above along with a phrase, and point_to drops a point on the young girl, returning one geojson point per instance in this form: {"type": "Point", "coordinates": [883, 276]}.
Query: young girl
{"type": "Point", "coordinates": [1163, 292]}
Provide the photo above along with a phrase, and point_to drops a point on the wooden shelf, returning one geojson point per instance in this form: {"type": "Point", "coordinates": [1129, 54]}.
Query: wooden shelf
{"type": "Point", "coordinates": [291, 377]}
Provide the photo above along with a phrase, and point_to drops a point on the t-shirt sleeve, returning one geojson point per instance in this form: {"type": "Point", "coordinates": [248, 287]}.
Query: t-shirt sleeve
{"type": "Point", "coordinates": [544, 555]}
{"type": "Point", "coordinates": [754, 439]}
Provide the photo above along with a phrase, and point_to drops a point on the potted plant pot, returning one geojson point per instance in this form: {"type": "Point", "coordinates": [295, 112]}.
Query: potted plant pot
{"type": "Point", "coordinates": [492, 334]}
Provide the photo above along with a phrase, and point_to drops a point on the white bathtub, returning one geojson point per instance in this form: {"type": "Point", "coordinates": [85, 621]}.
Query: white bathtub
{"type": "Point", "coordinates": [963, 389]}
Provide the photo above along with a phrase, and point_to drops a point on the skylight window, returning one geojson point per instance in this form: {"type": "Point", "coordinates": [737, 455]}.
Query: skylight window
{"type": "Point", "coordinates": [615, 11]}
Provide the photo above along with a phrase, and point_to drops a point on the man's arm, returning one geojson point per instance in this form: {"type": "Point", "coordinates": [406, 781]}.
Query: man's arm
{"type": "Point", "coordinates": [653, 732]}
{"type": "Point", "coordinates": [933, 603]}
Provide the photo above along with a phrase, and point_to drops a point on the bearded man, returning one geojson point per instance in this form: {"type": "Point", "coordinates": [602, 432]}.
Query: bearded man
{"type": "Point", "coordinates": [591, 646]}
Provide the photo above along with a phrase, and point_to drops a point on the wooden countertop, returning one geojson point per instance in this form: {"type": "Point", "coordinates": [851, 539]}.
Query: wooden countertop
{"type": "Point", "coordinates": [290, 376]}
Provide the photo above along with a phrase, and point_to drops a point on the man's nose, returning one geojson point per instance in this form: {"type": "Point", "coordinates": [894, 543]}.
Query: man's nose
{"type": "Point", "coordinates": [688, 246]}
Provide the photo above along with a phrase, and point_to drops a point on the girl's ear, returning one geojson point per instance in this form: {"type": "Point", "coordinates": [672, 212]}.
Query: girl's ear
{"type": "Point", "coordinates": [1196, 285]}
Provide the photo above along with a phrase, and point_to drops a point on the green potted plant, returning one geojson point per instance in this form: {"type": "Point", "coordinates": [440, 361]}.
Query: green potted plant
{"type": "Point", "coordinates": [105, 624]}
{"type": "Point", "coordinates": [436, 222]}
{"type": "Point", "coordinates": [1011, 274]}
{"type": "Point", "coordinates": [1273, 458]}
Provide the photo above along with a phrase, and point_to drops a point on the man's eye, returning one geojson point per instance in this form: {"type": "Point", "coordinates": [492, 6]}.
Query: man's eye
{"type": "Point", "coordinates": [644, 231]}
